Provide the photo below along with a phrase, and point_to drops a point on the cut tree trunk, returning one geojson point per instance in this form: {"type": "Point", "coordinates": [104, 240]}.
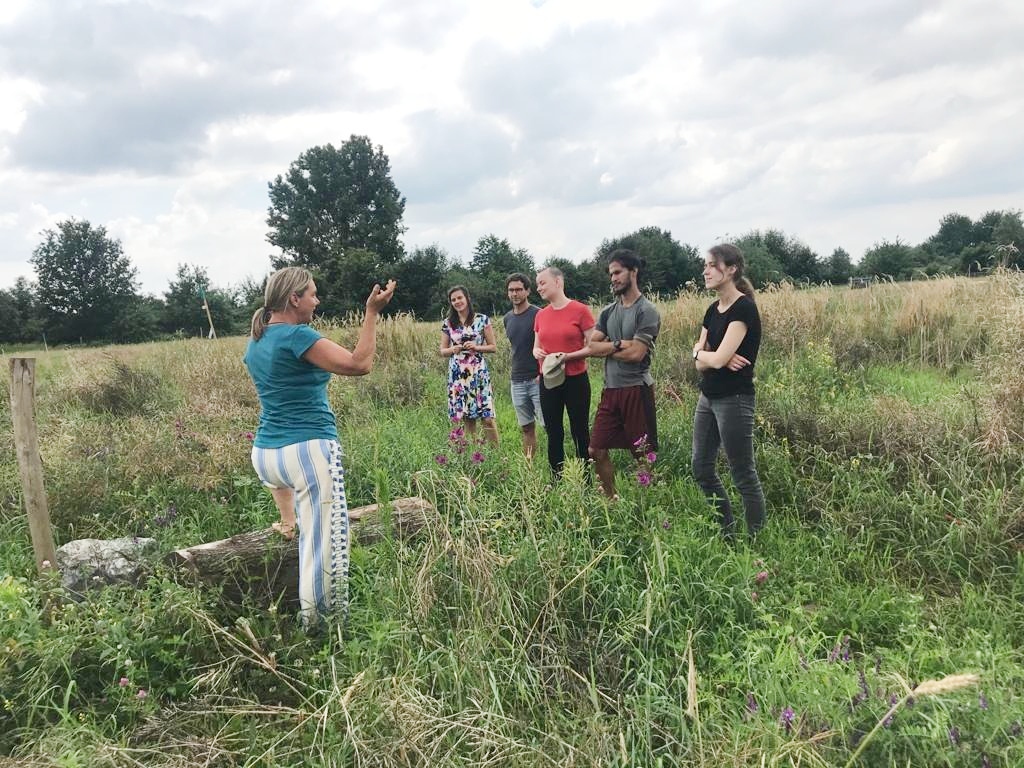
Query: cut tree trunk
{"type": "Point", "coordinates": [264, 566]}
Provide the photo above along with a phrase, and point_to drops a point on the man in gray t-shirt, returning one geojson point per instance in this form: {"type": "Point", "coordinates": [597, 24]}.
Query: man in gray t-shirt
{"type": "Point", "coordinates": [525, 372]}
{"type": "Point", "coordinates": [624, 336]}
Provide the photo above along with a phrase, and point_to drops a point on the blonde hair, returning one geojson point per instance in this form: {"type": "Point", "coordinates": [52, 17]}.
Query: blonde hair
{"type": "Point", "coordinates": [280, 287]}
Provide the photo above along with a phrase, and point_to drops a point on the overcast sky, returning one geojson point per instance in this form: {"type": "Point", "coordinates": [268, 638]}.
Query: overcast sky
{"type": "Point", "coordinates": [552, 123]}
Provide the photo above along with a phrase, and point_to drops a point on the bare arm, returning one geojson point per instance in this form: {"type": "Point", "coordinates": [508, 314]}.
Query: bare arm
{"type": "Point", "coordinates": [336, 359]}
{"type": "Point", "coordinates": [447, 349]}
{"type": "Point", "coordinates": [588, 337]}
{"type": "Point", "coordinates": [725, 355]}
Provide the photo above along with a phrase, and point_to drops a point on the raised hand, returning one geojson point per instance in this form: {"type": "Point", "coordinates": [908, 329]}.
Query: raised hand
{"type": "Point", "coordinates": [379, 298]}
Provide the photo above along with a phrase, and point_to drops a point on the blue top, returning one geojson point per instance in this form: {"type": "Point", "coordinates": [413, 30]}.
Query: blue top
{"type": "Point", "coordinates": [292, 392]}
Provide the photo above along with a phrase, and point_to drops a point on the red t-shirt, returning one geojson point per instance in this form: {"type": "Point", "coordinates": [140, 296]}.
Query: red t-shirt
{"type": "Point", "coordinates": [561, 330]}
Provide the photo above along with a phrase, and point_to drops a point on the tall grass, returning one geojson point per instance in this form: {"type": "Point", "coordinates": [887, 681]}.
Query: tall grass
{"type": "Point", "coordinates": [533, 625]}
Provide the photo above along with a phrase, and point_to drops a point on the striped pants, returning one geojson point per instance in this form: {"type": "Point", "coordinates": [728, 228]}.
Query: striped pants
{"type": "Point", "coordinates": [313, 470]}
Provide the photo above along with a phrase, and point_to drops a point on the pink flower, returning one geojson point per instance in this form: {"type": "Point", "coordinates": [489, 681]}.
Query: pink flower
{"type": "Point", "coordinates": [753, 597]}
{"type": "Point", "coordinates": [141, 694]}
{"type": "Point", "coordinates": [124, 682]}
{"type": "Point", "coordinates": [250, 436]}
{"type": "Point", "coordinates": [640, 441]}
{"type": "Point", "coordinates": [651, 457]}
{"type": "Point", "coordinates": [441, 459]}
{"type": "Point", "coordinates": [477, 457]}
{"type": "Point", "coordinates": [761, 577]}
{"type": "Point", "coordinates": [644, 477]}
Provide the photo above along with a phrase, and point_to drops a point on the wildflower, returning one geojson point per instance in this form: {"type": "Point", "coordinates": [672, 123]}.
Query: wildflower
{"type": "Point", "coordinates": [666, 524]}
{"type": "Point", "coordinates": [892, 703]}
{"type": "Point", "coordinates": [477, 458]}
{"type": "Point", "coordinates": [751, 703]}
{"type": "Point", "coordinates": [441, 459]}
{"type": "Point", "coordinates": [124, 682]}
{"type": "Point", "coordinates": [865, 692]}
{"type": "Point", "coordinates": [786, 719]}
{"type": "Point", "coordinates": [141, 694]}
{"type": "Point", "coordinates": [651, 457]}
{"type": "Point", "coordinates": [954, 736]}
{"type": "Point", "coordinates": [754, 597]}
{"type": "Point", "coordinates": [640, 440]}
{"type": "Point", "coordinates": [644, 478]}
{"type": "Point", "coordinates": [761, 577]}
{"type": "Point", "coordinates": [982, 701]}
{"type": "Point", "coordinates": [250, 436]}
{"type": "Point", "coordinates": [456, 434]}
{"type": "Point", "coordinates": [45, 563]}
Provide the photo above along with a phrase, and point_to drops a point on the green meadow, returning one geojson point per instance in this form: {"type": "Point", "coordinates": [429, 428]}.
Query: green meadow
{"type": "Point", "coordinates": [532, 625]}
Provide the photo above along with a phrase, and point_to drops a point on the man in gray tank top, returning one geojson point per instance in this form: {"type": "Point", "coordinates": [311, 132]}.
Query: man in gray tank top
{"type": "Point", "coordinates": [525, 371]}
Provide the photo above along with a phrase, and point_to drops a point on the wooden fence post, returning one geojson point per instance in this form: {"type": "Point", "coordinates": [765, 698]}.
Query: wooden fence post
{"type": "Point", "coordinates": [30, 466]}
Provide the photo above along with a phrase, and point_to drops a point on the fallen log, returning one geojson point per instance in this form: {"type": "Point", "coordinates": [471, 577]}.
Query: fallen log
{"type": "Point", "coordinates": [264, 566]}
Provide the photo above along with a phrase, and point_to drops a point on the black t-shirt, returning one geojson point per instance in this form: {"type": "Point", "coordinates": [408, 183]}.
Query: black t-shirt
{"type": "Point", "coordinates": [723, 382]}
{"type": "Point", "coordinates": [519, 329]}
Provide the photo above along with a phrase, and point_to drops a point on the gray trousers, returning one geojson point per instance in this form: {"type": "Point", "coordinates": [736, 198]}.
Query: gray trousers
{"type": "Point", "coordinates": [728, 422]}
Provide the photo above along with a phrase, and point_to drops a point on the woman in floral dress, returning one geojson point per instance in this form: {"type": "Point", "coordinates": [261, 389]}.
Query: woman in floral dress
{"type": "Point", "coordinates": [465, 337]}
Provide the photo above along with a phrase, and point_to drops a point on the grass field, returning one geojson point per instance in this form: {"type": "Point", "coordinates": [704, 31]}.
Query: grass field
{"type": "Point", "coordinates": [537, 627]}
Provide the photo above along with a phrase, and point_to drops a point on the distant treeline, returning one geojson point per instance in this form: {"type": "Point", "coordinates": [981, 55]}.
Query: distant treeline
{"type": "Point", "coordinates": [337, 212]}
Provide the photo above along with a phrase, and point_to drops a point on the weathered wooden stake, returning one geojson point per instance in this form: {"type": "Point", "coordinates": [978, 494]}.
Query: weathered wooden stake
{"type": "Point", "coordinates": [30, 466]}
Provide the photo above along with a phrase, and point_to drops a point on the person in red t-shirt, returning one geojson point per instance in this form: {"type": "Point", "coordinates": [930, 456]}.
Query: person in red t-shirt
{"type": "Point", "coordinates": [563, 326]}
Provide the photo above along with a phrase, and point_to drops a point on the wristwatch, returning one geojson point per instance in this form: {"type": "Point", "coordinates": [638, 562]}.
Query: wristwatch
{"type": "Point", "coordinates": [617, 345]}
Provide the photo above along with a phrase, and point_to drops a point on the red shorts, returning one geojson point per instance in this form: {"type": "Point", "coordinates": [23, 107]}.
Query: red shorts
{"type": "Point", "coordinates": [624, 417]}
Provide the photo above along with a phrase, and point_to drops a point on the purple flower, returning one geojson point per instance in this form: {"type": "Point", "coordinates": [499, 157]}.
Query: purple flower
{"type": "Point", "coordinates": [761, 577]}
{"type": "Point", "coordinates": [644, 477]}
{"type": "Point", "coordinates": [666, 524]}
{"type": "Point", "coordinates": [651, 457]}
{"type": "Point", "coordinates": [892, 703]}
{"type": "Point", "coordinates": [456, 434]}
{"type": "Point", "coordinates": [954, 736]}
{"type": "Point", "coordinates": [982, 701]}
{"type": "Point", "coordinates": [751, 703]}
{"type": "Point", "coordinates": [642, 440]}
{"type": "Point", "coordinates": [441, 459]}
{"type": "Point", "coordinates": [865, 692]}
{"type": "Point", "coordinates": [124, 682]}
{"type": "Point", "coordinates": [477, 457]}
{"type": "Point", "coordinates": [786, 719]}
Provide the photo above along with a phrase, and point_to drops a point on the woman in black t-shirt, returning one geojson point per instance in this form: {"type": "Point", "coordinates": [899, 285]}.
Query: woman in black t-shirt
{"type": "Point", "coordinates": [725, 355]}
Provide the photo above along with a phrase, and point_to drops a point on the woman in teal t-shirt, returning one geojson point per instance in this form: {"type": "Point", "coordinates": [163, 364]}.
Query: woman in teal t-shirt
{"type": "Point", "coordinates": [296, 451]}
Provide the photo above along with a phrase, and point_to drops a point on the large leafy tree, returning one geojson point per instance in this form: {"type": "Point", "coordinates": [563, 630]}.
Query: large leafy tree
{"type": "Point", "coordinates": [773, 255]}
{"type": "Point", "coordinates": [87, 286]}
{"type": "Point", "coordinates": [19, 313]}
{"type": "Point", "coordinates": [838, 267]}
{"type": "Point", "coordinates": [893, 259]}
{"type": "Point", "coordinates": [183, 312]}
{"type": "Point", "coordinates": [333, 199]}
{"type": "Point", "coordinates": [421, 277]}
{"type": "Point", "coordinates": [670, 264]}
{"type": "Point", "coordinates": [493, 260]}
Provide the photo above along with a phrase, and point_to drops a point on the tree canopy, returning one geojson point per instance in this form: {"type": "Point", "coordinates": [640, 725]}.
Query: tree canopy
{"type": "Point", "coordinates": [87, 287]}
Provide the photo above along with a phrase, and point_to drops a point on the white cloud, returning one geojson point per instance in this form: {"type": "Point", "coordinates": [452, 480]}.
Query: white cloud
{"type": "Point", "coordinates": [556, 124]}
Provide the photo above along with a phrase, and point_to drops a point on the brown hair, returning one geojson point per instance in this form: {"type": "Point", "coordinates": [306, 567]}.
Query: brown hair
{"type": "Point", "coordinates": [280, 287]}
{"type": "Point", "coordinates": [728, 255]}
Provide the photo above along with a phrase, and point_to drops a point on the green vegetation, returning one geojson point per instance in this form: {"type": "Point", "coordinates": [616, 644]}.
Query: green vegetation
{"type": "Point", "coordinates": [542, 627]}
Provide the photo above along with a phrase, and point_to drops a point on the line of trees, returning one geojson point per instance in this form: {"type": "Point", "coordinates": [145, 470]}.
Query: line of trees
{"type": "Point", "coordinates": [337, 211]}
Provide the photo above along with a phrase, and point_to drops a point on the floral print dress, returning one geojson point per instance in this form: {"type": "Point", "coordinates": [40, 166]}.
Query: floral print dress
{"type": "Point", "coordinates": [469, 380]}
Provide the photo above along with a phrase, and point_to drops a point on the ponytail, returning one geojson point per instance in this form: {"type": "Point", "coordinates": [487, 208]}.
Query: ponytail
{"type": "Point", "coordinates": [259, 323]}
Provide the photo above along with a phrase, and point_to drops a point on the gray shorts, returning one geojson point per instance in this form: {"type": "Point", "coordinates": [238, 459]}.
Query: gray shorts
{"type": "Point", "coordinates": [526, 400]}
